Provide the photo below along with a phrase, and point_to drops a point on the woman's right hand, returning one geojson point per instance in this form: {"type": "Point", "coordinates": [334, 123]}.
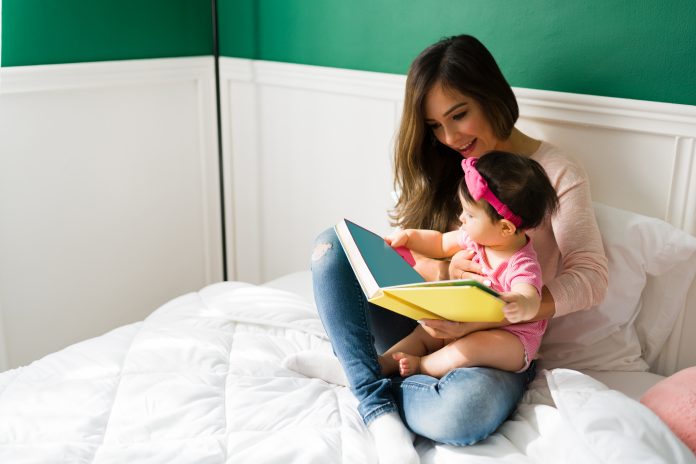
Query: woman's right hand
{"type": "Point", "coordinates": [431, 269]}
{"type": "Point", "coordinates": [462, 267]}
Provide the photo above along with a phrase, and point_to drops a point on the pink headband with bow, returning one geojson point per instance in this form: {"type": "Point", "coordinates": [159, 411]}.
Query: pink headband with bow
{"type": "Point", "coordinates": [478, 188]}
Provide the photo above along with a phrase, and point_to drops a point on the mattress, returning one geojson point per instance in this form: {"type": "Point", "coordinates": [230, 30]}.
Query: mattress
{"type": "Point", "coordinates": [201, 380]}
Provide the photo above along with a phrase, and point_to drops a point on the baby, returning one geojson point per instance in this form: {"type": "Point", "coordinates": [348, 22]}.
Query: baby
{"type": "Point", "coordinates": [502, 195]}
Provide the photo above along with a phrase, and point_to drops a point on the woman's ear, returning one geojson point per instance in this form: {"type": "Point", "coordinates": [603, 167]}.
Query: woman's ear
{"type": "Point", "coordinates": [507, 228]}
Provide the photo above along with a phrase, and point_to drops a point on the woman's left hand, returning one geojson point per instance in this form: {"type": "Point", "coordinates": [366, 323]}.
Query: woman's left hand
{"type": "Point", "coordinates": [461, 266]}
{"type": "Point", "coordinates": [446, 329]}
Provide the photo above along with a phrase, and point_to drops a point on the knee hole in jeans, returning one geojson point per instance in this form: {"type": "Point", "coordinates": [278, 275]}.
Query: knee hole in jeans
{"type": "Point", "coordinates": [320, 250]}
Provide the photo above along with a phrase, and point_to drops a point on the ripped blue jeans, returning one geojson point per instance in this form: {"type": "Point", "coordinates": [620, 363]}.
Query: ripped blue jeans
{"type": "Point", "coordinates": [461, 408]}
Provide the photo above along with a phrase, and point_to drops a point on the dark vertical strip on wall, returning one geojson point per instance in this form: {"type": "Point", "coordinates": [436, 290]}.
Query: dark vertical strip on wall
{"type": "Point", "coordinates": [216, 55]}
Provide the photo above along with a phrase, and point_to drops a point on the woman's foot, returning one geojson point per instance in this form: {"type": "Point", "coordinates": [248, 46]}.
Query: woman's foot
{"type": "Point", "coordinates": [394, 442]}
{"type": "Point", "coordinates": [408, 363]}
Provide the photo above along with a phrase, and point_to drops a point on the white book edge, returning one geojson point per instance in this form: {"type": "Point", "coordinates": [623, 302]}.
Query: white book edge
{"type": "Point", "coordinates": [360, 268]}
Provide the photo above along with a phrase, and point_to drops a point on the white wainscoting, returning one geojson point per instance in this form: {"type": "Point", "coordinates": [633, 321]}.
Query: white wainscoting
{"type": "Point", "coordinates": [308, 145]}
{"type": "Point", "coordinates": [109, 196]}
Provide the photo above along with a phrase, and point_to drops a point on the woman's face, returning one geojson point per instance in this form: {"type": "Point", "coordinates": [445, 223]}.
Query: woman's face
{"type": "Point", "coordinates": [458, 122]}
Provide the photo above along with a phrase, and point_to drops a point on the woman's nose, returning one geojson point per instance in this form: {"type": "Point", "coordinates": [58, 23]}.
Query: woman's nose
{"type": "Point", "coordinates": [451, 137]}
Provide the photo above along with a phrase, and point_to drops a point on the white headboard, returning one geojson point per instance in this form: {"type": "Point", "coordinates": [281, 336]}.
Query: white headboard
{"type": "Point", "coordinates": [307, 145]}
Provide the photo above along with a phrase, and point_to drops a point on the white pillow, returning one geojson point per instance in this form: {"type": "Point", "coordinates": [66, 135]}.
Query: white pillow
{"type": "Point", "coordinates": [641, 250]}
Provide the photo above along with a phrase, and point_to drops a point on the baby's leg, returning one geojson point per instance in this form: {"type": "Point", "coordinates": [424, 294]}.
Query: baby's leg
{"type": "Point", "coordinates": [417, 343]}
{"type": "Point", "coordinates": [487, 348]}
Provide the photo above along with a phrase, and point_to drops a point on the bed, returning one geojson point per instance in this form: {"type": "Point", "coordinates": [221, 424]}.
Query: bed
{"type": "Point", "coordinates": [201, 380]}
{"type": "Point", "coordinates": [205, 378]}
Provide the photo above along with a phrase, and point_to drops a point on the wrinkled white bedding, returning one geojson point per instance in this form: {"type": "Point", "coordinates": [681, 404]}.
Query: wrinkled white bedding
{"type": "Point", "coordinates": [200, 381]}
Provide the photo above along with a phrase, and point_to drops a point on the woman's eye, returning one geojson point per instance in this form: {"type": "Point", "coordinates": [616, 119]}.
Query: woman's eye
{"type": "Point", "coordinates": [434, 126]}
{"type": "Point", "coordinates": [459, 116]}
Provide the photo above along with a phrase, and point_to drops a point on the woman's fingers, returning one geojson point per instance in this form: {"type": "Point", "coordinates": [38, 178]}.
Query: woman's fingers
{"type": "Point", "coordinates": [443, 329]}
{"type": "Point", "coordinates": [458, 273]}
{"type": "Point", "coordinates": [462, 267]}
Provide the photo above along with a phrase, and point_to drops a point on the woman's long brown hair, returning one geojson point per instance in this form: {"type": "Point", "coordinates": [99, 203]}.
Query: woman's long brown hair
{"type": "Point", "coordinates": [427, 173]}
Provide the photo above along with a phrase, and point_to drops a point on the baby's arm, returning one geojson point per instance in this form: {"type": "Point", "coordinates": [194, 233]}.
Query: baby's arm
{"type": "Point", "coordinates": [522, 302]}
{"type": "Point", "coordinates": [430, 243]}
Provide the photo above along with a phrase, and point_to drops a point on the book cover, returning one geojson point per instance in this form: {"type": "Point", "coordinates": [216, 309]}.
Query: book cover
{"type": "Point", "coordinates": [390, 282]}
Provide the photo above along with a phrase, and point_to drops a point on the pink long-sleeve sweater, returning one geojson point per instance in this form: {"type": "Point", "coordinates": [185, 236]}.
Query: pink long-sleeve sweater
{"type": "Point", "coordinates": [569, 248]}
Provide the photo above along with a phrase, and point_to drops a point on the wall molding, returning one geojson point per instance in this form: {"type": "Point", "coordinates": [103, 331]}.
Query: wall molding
{"type": "Point", "coordinates": [19, 79]}
{"type": "Point", "coordinates": [619, 113]}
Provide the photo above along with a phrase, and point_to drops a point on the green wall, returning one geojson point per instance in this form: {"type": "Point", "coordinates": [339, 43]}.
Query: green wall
{"type": "Point", "coordinates": [641, 49]}
{"type": "Point", "coordinates": [69, 31]}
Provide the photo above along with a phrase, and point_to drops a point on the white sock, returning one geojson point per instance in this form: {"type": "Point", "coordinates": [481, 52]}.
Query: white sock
{"type": "Point", "coordinates": [394, 442]}
{"type": "Point", "coordinates": [317, 365]}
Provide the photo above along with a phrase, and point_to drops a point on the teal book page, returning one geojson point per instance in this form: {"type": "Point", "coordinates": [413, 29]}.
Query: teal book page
{"type": "Point", "coordinates": [387, 267]}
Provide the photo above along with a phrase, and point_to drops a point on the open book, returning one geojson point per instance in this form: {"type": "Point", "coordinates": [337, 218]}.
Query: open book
{"type": "Point", "coordinates": [390, 282]}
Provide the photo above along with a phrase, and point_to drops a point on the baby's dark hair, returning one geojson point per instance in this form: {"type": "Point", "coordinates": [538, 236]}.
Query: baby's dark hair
{"type": "Point", "coordinates": [520, 183]}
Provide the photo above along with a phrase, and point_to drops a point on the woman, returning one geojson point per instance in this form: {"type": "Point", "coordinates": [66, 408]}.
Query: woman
{"type": "Point", "coordinates": [457, 104]}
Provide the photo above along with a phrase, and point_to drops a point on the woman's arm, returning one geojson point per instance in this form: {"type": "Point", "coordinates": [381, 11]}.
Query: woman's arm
{"type": "Point", "coordinates": [582, 281]}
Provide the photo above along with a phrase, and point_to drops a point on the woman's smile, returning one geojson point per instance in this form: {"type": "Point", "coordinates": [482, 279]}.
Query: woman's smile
{"type": "Point", "coordinates": [467, 149]}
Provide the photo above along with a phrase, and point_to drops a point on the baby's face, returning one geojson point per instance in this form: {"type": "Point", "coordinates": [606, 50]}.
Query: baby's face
{"type": "Point", "coordinates": [478, 225]}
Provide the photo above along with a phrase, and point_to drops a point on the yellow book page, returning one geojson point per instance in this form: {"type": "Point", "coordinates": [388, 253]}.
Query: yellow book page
{"type": "Point", "coordinates": [459, 303]}
{"type": "Point", "coordinates": [404, 308]}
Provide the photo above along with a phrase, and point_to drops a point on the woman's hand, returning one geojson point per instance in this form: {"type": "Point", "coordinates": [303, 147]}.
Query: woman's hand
{"type": "Point", "coordinates": [461, 266]}
{"type": "Point", "coordinates": [446, 329]}
{"type": "Point", "coordinates": [431, 269]}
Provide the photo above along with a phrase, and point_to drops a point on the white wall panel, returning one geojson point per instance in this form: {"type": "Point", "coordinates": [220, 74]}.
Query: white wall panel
{"type": "Point", "coordinates": [109, 196]}
{"type": "Point", "coordinates": [605, 154]}
{"type": "Point", "coordinates": [320, 140]}
{"type": "Point", "coordinates": [314, 174]}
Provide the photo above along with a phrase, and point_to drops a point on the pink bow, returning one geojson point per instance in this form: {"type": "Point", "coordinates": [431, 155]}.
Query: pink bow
{"type": "Point", "coordinates": [478, 188]}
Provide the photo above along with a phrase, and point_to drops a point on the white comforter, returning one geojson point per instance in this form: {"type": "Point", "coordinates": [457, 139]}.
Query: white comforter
{"type": "Point", "coordinates": [200, 381]}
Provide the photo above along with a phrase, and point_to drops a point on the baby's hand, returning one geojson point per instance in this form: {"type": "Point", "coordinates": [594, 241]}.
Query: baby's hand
{"type": "Point", "coordinates": [518, 308]}
{"type": "Point", "coordinates": [397, 239]}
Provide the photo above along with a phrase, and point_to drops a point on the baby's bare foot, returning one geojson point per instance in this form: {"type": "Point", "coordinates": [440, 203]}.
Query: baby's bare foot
{"type": "Point", "coordinates": [408, 364]}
